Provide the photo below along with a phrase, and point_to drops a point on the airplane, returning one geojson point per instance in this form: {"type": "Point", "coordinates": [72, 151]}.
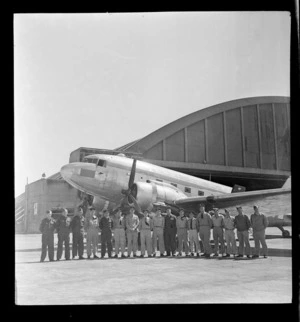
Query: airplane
{"type": "Point", "coordinates": [118, 181]}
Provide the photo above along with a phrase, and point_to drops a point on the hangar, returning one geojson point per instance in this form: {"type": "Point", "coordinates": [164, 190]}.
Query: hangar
{"type": "Point", "coordinates": [244, 141]}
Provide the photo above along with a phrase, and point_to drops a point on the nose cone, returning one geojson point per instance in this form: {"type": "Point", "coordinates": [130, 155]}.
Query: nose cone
{"type": "Point", "coordinates": [67, 171]}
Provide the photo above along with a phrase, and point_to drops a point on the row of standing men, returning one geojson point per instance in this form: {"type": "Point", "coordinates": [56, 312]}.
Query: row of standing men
{"type": "Point", "coordinates": [168, 234]}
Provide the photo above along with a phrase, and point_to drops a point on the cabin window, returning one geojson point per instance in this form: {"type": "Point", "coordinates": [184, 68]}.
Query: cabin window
{"type": "Point", "coordinates": [174, 184]}
{"type": "Point", "coordinates": [200, 193]}
{"type": "Point", "coordinates": [186, 189]}
{"type": "Point", "coordinates": [90, 160]}
{"type": "Point", "coordinates": [101, 163]}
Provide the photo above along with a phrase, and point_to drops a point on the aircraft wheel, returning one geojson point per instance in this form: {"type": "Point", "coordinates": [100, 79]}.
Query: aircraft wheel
{"type": "Point", "coordinates": [285, 233]}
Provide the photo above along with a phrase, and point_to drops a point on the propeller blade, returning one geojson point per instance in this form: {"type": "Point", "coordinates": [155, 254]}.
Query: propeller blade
{"type": "Point", "coordinates": [136, 205]}
{"type": "Point", "coordinates": [132, 174]}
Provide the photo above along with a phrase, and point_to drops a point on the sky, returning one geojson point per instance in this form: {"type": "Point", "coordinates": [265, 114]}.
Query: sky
{"type": "Point", "coordinates": [104, 80]}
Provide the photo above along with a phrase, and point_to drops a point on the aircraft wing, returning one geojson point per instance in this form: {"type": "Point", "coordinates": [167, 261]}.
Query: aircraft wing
{"type": "Point", "coordinates": [230, 199]}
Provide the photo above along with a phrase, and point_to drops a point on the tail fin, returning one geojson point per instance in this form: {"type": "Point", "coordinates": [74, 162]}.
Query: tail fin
{"type": "Point", "coordinates": [287, 184]}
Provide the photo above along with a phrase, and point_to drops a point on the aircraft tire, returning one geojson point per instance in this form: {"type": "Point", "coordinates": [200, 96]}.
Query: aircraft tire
{"type": "Point", "coordinates": [285, 233]}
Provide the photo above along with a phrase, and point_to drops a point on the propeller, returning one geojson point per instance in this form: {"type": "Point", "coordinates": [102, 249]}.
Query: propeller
{"type": "Point", "coordinates": [128, 192]}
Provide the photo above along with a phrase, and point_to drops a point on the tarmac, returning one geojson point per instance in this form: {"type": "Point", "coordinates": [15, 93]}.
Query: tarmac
{"type": "Point", "coordinates": [153, 280]}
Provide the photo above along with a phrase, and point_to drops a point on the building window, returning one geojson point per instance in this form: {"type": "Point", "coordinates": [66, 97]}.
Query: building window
{"type": "Point", "coordinates": [200, 193]}
{"type": "Point", "coordinates": [186, 189]}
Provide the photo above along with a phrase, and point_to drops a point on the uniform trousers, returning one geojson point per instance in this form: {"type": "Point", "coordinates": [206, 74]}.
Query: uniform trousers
{"type": "Point", "coordinates": [230, 241]}
{"type": "Point", "coordinates": [91, 241]}
{"type": "Point", "coordinates": [132, 245]}
{"type": "Point", "coordinates": [63, 238]}
{"type": "Point", "coordinates": [119, 236]}
{"type": "Point", "coordinates": [158, 233]}
{"type": "Point", "coordinates": [77, 245]}
{"type": "Point", "coordinates": [205, 237]}
{"type": "Point", "coordinates": [170, 241]}
{"type": "Point", "coordinates": [182, 239]}
{"type": "Point", "coordinates": [218, 238]}
{"type": "Point", "coordinates": [106, 243]}
{"type": "Point", "coordinates": [193, 240]}
{"type": "Point", "coordinates": [243, 237]}
{"type": "Point", "coordinates": [146, 241]}
{"type": "Point", "coordinates": [259, 237]}
{"type": "Point", "coordinates": [47, 242]}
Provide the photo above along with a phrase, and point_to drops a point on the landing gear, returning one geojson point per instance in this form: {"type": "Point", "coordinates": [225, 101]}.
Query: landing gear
{"type": "Point", "coordinates": [285, 233]}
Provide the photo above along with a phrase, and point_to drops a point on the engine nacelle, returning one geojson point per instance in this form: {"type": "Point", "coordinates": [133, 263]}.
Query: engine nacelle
{"type": "Point", "coordinates": [148, 193]}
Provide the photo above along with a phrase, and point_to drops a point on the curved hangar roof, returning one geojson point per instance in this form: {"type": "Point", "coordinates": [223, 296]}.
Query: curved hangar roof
{"type": "Point", "coordinates": [250, 135]}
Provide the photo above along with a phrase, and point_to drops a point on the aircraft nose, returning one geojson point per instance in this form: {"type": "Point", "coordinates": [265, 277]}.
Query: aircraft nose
{"type": "Point", "coordinates": [66, 171]}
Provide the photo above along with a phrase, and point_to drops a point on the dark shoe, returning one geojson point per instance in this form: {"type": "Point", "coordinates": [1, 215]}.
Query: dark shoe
{"type": "Point", "coordinates": [215, 255]}
{"type": "Point", "coordinates": [207, 256]}
{"type": "Point", "coordinates": [81, 257]}
{"type": "Point", "coordinates": [254, 256]}
{"type": "Point", "coordinates": [265, 256]}
{"type": "Point", "coordinates": [239, 256]}
{"type": "Point", "coordinates": [192, 254]}
{"type": "Point", "coordinates": [198, 255]}
{"type": "Point", "coordinates": [134, 255]}
{"type": "Point", "coordinates": [154, 254]}
{"type": "Point", "coordinates": [89, 257]}
{"type": "Point", "coordinates": [142, 256]}
{"type": "Point", "coordinates": [248, 256]}
{"type": "Point", "coordinates": [174, 254]}
{"type": "Point", "coordinates": [116, 256]}
{"type": "Point", "coordinates": [179, 254]}
{"type": "Point", "coordinates": [95, 256]}
{"type": "Point", "coordinates": [168, 254]}
{"type": "Point", "coordinates": [203, 255]}
{"type": "Point", "coordinates": [123, 256]}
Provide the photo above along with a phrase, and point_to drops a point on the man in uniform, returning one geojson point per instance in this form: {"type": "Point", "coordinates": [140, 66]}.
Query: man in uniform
{"type": "Point", "coordinates": [182, 226]}
{"type": "Point", "coordinates": [242, 224]}
{"type": "Point", "coordinates": [218, 234]}
{"type": "Point", "coordinates": [158, 233]}
{"type": "Point", "coordinates": [47, 227]}
{"type": "Point", "coordinates": [92, 230]}
{"type": "Point", "coordinates": [205, 225]}
{"type": "Point", "coordinates": [259, 223]}
{"type": "Point", "coordinates": [63, 234]}
{"type": "Point", "coordinates": [193, 235]}
{"type": "Point", "coordinates": [170, 233]}
{"type": "Point", "coordinates": [106, 226]}
{"type": "Point", "coordinates": [77, 226]}
{"type": "Point", "coordinates": [119, 233]}
{"type": "Point", "coordinates": [145, 233]}
{"type": "Point", "coordinates": [229, 234]}
{"type": "Point", "coordinates": [132, 224]}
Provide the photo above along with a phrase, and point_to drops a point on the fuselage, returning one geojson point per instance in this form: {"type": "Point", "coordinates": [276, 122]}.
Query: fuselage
{"type": "Point", "coordinates": [104, 177]}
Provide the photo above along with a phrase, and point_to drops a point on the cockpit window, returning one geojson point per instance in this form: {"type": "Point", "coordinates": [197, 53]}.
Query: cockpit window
{"type": "Point", "coordinates": [101, 163]}
{"type": "Point", "coordinates": [90, 160]}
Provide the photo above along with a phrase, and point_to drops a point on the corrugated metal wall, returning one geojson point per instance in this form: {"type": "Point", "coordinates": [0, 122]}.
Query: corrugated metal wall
{"type": "Point", "coordinates": [253, 136]}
